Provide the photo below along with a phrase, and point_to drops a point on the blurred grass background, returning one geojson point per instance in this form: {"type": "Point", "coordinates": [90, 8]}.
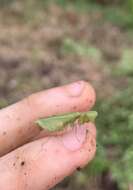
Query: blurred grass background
{"type": "Point", "coordinates": [43, 42]}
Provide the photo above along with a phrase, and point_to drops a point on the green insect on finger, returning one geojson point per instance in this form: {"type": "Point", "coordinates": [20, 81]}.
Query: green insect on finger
{"type": "Point", "coordinates": [58, 123]}
{"type": "Point", "coordinates": [87, 116]}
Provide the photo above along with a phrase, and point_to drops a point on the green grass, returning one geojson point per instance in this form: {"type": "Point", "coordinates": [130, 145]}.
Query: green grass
{"type": "Point", "coordinates": [126, 63]}
{"type": "Point", "coordinates": [70, 46]}
{"type": "Point", "coordinates": [120, 15]}
{"type": "Point", "coordinates": [115, 136]}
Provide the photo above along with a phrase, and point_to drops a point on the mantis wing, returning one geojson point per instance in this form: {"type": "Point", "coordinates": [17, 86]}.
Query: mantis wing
{"type": "Point", "coordinates": [58, 123]}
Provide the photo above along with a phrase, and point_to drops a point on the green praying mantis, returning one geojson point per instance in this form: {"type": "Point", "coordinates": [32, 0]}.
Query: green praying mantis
{"type": "Point", "coordinates": [60, 122]}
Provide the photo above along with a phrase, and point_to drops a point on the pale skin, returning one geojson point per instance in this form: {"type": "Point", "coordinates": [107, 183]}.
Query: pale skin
{"type": "Point", "coordinates": [32, 159]}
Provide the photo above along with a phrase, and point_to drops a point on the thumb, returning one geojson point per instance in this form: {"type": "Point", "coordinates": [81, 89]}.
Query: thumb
{"type": "Point", "coordinates": [45, 162]}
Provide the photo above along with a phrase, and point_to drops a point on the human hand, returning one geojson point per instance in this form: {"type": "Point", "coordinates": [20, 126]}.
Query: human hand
{"type": "Point", "coordinates": [35, 160]}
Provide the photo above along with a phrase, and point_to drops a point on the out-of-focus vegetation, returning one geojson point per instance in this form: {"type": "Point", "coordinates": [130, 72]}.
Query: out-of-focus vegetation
{"type": "Point", "coordinates": [71, 47]}
{"type": "Point", "coordinates": [119, 12]}
{"type": "Point", "coordinates": [115, 134]}
{"type": "Point", "coordinates": [82, 39]}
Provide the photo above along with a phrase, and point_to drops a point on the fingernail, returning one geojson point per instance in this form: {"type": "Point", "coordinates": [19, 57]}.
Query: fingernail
{"type": "Point", "coordinates": [74, 139]}
{"type": "Point", "coordinates": [76, 88]}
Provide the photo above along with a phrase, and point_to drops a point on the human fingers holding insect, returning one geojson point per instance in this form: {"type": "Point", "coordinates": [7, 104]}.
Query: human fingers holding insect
{"type": "Point", "coordinates": [42, 163]}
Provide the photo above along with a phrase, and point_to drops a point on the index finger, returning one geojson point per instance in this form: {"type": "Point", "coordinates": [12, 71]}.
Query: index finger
{"type": "Point", "coordinates": [17, 121]}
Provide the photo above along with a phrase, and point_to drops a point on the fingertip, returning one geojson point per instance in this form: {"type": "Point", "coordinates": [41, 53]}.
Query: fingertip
{"type": "Point", "coordinates": [48, 161]}
{"type": "Point", "coordinates": [87, 152]}
{"type": "Point", "coordinates": [92, 129]}
{"type": "Point", "coordinates": [90, 95]}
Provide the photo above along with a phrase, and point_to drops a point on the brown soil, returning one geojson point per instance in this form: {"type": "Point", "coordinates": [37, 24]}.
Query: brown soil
{"type": "Point", "coordinates": [31, 57]}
